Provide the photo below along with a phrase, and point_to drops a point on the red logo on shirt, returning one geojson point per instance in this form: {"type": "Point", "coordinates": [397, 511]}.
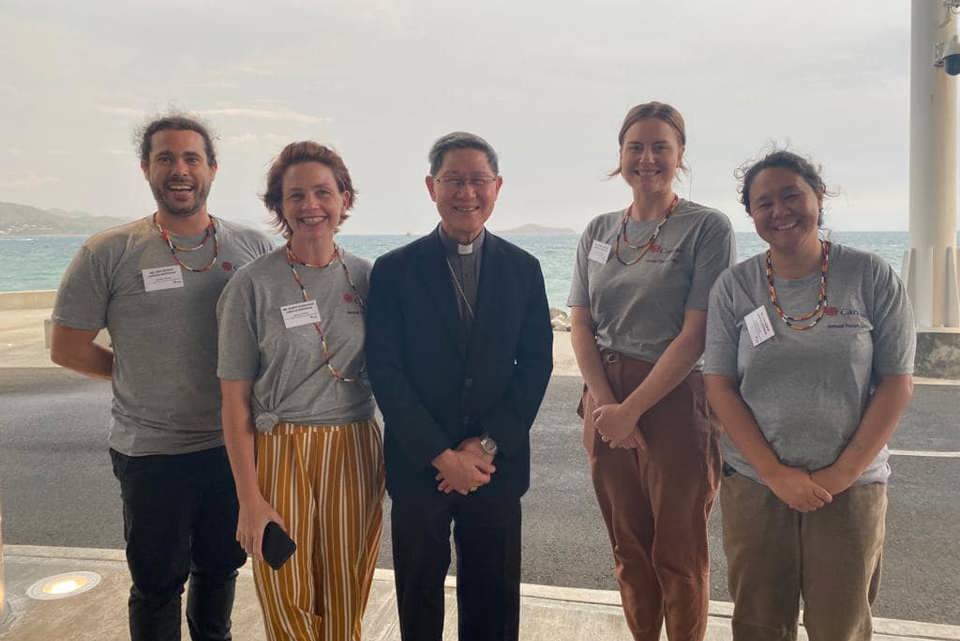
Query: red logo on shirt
{"type": "Point", "coordinates": [227, 265]}
{"type": "Point", "coordinates": [830, 311]}
{"type": "Point", "coordinates": [348, 297]}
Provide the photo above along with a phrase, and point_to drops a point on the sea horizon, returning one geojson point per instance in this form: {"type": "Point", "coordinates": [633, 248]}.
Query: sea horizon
{"type": "Point", "coordinates": [37, 262]}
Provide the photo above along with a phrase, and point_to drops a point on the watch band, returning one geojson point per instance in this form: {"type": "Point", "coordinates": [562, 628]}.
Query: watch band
{"type": "Point", "coordinates": [488, 444]}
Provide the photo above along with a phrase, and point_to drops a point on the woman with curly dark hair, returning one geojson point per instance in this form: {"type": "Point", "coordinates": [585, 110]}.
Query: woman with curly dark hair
{"type": "Point", "coordinates": [809, 359]}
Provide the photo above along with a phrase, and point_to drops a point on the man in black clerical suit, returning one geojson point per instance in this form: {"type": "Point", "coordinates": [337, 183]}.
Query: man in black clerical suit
{"type": "Point", "coordinates": [459, 352]}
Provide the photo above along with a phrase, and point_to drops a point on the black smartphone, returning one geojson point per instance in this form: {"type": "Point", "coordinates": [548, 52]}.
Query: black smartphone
{"type": "Point", "coordinates": [277, 545]}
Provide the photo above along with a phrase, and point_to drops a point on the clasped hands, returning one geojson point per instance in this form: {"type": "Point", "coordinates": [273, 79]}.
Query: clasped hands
{"type": "Point", "coordinates": [616, 428]}
{"type": "Point", "coordinates": [464, 469]}
{"type": "Point", "coordinates": [807, 492]}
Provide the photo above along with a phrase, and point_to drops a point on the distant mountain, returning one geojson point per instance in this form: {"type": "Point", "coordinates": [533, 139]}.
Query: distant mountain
{"type": "Point", "coordinates": [24, 220]}
{"type": "Point", "coordinates": [537, 230]}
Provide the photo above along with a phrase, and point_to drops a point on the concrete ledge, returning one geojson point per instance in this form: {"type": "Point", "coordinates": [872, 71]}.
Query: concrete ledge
{"type": "Point", "coordinates": [102, 338]}
{"type": "Point", "coordinates": [530, 593]}
{"type": "Point", "coordinates": [51, 552]}
{"type": "Point", "coordinates": [920, 380]}
{"type": "Point", "coordinates": [36, 299]}
{"type": "Point", "coordinates": [938, 353]}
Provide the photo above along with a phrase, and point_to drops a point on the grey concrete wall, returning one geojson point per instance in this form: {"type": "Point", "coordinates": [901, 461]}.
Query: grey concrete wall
{"type": "Point", "coordinates": [938, 353]}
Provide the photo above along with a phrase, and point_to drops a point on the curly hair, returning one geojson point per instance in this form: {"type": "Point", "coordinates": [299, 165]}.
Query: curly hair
{"type": "Point", "coordinates": [177, 122]}
{"type": "Point", "coordinates": [783, 159]}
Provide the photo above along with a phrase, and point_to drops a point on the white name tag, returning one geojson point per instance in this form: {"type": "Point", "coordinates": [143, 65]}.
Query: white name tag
{"type": "Point", "coordinates": [157, 278]}
{"type": "Point", "coordinates": [300, 314]}
{"type": "Point", "coordinates": [758, 325]}
{"type": "Point", "coordinates": [599, 252]}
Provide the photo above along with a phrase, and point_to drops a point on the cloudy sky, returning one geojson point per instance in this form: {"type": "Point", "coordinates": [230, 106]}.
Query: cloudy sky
{"type": "Point", "coordinates": [547, 83]}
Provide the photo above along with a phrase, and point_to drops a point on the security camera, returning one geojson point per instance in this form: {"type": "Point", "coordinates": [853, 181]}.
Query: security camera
{"type": "Point", "coordinates": [951, 57]}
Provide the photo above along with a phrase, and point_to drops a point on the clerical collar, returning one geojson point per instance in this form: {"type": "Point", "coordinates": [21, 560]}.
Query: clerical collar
{"type": "Point", "coordinates": [455, 248]}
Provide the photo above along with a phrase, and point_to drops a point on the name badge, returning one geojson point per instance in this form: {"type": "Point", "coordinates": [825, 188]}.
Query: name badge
{"type": "Point", "coordinates": [299, 314]}
{"type": "Point", "coordinates": [157, 278]}
{"type": "Point", "coordinates": [758, 326]}
{"type": "Point", "coordinates": [599, 252]}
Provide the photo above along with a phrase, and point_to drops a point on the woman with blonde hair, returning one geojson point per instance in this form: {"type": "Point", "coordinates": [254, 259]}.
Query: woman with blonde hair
{"type": "Point", "coordinates": [298, 421]}
{"type": "Point", "coordinates": [638, 309]}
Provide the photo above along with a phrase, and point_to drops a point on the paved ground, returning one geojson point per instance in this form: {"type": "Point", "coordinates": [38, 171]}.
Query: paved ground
{"type": "Point", "coordinates": [57, 489]}
{"type": "Point", "coordinates": [546, 613]}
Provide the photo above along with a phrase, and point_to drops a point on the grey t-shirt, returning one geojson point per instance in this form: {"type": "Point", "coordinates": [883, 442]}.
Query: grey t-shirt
{"type": "Point", "coordinates": [808, 389]}
{"type": "Point", "coordinates": [166, 398]}
{"type": "Point", "coordinates": [291, 382]}
{"type": "Point", "coordinates": [638, 309]}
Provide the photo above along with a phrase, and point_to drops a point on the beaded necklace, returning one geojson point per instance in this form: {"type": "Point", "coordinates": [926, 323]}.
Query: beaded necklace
{"type": "Point", "coordinates": [293, 260]}
{"type": "Point", "coordinates": [645, 247]}
{"type": "Point", "coordinates": [210, 231]}
{"type": "Point", "coordinates": [810, 318]}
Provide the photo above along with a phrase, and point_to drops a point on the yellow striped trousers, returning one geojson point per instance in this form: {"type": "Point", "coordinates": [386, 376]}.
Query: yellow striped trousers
{"type": "Point", "coordinates": [327, 483]}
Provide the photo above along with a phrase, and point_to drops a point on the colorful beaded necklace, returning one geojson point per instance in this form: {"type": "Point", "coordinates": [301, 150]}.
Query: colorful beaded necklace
{"type": "Point", "coordinates": [293, 260]}
{"type": "Point", "coordinates": [210, 231]}
{"type": "Point", "coordinates": [810, 318]}
{"type": "Point", "coordinates": [645, 247]}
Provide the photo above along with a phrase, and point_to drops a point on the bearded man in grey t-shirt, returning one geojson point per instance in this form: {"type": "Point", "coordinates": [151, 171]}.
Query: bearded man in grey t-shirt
{"type": "Point", "coordinates": [154, 284]}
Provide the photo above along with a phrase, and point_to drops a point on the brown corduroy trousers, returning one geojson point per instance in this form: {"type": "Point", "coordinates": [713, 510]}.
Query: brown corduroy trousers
{"type": "Point", "coordinates": [655, 503]}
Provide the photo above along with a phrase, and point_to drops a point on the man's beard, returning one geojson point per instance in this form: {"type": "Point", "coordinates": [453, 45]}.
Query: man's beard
{"type": "Point", "coordinates": [175, 209]}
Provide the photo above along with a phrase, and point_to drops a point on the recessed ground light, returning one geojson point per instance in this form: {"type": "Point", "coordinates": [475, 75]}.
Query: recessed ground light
{"type": "Point", "coordinates": [61, 586]}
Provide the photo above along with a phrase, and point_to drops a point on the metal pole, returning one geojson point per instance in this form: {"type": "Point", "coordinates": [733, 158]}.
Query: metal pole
{"type": "Point", "coordinates": [930, 264]}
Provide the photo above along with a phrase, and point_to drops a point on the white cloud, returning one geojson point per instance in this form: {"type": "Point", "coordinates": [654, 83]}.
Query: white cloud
{"type": "Point", "coordinates": [251, 140]}
{"type": "Point", "coordinates": [28, 180]}
{"type": "Point", "coordinates": [115, 110]}
{"type": "Point", "coordinates": [257, 113]}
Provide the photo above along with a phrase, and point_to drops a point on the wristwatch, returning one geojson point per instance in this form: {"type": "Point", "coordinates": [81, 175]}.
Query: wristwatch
{"type": "Point", "coordinates": [488, 444]}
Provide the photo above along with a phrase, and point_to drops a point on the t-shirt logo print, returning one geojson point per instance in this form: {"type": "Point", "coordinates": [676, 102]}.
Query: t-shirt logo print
{"type": "Point", "coordinates": [845, 317]}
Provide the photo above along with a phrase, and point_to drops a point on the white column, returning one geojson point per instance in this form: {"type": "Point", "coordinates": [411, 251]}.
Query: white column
{"type": "Point", "coordinates": [930, 274]}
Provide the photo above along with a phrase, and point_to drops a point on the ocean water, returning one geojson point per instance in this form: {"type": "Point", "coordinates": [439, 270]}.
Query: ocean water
{"type": "Point", "coordinates": [39, 262]}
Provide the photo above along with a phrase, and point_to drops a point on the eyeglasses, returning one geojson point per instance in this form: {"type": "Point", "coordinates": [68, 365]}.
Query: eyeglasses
{"type": "Point", "coordinates": [476, 182]}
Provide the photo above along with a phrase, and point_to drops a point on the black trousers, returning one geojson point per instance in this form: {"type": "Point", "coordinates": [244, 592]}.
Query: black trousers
{"type": "Point", "coordinates": [179, 521]}
{"type": "Point", "coordinates": [486, 532]}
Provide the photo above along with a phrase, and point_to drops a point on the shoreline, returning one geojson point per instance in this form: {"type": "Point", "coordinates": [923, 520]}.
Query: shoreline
{"type": "Point", "coordinates": [24, 317]}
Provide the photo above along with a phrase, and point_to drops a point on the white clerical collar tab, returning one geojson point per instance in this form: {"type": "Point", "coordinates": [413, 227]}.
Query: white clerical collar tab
{"type": "Point", "coordinates": [464, 249]}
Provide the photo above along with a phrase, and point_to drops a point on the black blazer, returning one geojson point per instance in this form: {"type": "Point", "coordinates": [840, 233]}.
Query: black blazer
{"type": "Point", "coordinates": [436, 386]}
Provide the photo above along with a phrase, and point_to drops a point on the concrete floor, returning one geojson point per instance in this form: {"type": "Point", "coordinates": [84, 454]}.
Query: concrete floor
{"type": "Point", "coordinates": [547, 613]}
